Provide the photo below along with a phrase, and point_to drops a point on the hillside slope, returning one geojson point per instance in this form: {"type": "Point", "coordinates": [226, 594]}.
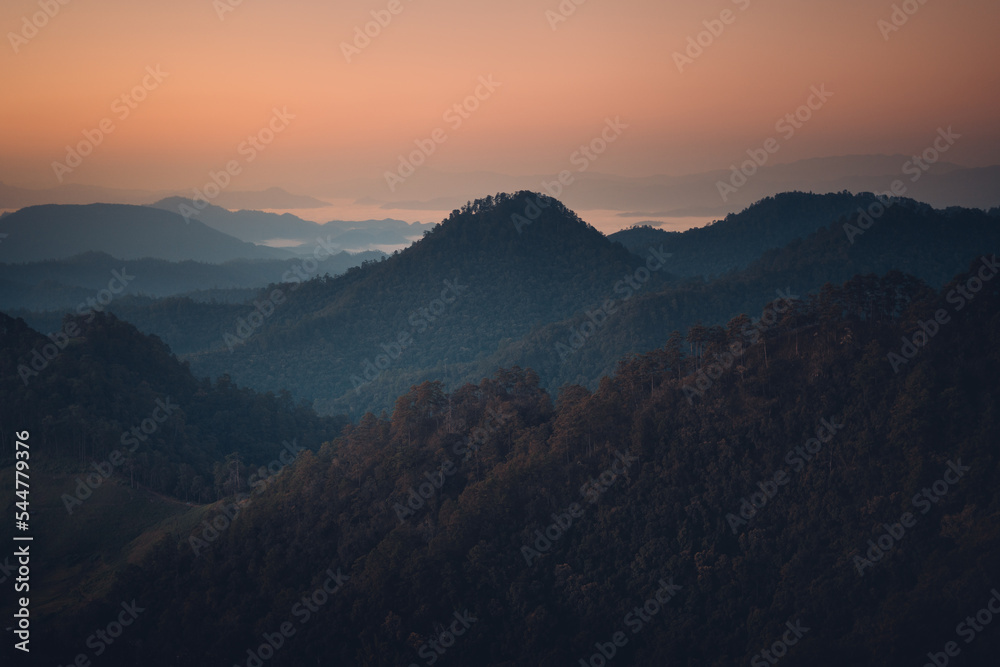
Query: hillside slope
{"type": "Point", "coordinates": [474, 281]}
{"type": "Point", "coordinates": [545, 526]}
{"type": "Point", "coordinates": [741, 238]}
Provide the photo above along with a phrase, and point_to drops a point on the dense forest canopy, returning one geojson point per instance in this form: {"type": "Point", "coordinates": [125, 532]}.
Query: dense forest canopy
{"type": "Point", "coordinates": [545, 522]}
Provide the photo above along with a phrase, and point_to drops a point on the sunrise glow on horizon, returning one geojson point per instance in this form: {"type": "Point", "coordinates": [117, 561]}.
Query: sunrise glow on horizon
{"type": "Point", "coordinates": [223, 69]}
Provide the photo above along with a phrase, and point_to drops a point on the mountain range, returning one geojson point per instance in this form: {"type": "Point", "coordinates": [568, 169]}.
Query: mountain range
{"type": "Point", "coordinates": [453, 306]}
{"type": "Point", "coordinates": [295, 233]}
{"type": "Point", "coordinates": [710, 495]}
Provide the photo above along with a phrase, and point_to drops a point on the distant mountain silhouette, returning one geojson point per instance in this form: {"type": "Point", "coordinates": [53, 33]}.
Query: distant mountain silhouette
{"type": "Point", "coordinates": [127, 232]}
{"type": "Point", "coordinates": [251, 226]}
{"type": "Point", "coordinates": [260, 227]}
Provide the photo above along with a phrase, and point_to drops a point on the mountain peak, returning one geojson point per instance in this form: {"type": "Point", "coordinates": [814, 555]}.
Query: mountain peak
{"type": "Point", "coordinates": [524, 213]}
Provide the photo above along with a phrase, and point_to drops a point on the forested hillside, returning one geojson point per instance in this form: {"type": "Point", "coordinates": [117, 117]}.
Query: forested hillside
{"type": "Point", "coordinates": [733, 243]}
{"type": "Point", "coordinates": [748, 484]}
{"type": "Point", "coordinates": [98, 388]}
{"type": "Point", "coordinates": [909, 237]}
{"type": "Point", "coordinates": [480, 279]}
{"type": "Point", "coordinates": [507, 281]}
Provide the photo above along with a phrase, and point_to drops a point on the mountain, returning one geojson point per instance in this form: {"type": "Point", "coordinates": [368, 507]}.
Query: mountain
{"type": "Point", "coordinates": [739, 239]}
{"type": "Point", "coordinates": [49, 232]}
{"type": "Point", "coordinates": [122, 437]}
{"type": "Point", "coordinates": [250, 226]}
{"type": "Point", "coordinates": [105, 376]}
{"type": "Point", "coordinates": [813, 490]}
{"type": "Point", "coordinates": [479, 278]}
{"type": "Point", "coordinates": [540, 296]}
{"type": "Point", "coordinates": [581, 341]}
{"type": "Point", "coordinates": [910, 237]}
{"type": "Point", "coordinates": [261, 227]}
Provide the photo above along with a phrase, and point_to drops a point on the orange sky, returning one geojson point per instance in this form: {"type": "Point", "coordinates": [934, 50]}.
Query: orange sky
{"type": "Point", "coordinates": [608, 59]}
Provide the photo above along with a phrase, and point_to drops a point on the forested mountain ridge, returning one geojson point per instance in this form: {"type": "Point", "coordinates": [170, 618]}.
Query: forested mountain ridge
{"type": "Point", "coordinates": [552, 294]}
{"type": "Point", "coordinates": [94, 380]}
{"type": "Point", "coordinates": [479, 278]}
{"type": "Point", "coordinates": [909, 237]}
{"type": "Point", "coordinates": [735, 242]}
{"type": "Point", "coordinates": [549, 522]}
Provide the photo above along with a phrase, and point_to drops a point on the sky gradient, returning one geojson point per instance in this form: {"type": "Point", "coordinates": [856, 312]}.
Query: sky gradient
{"type": "Point", "coordinates": [226, 73]}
